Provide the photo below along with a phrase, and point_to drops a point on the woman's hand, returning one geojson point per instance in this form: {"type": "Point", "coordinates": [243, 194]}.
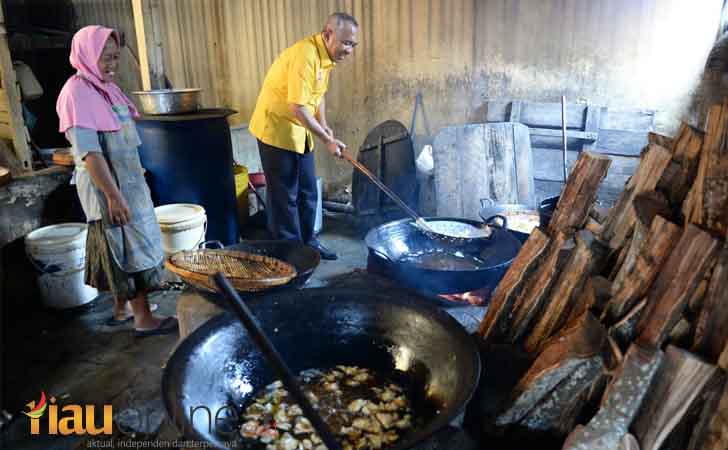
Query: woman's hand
{"type": "Point", "coordinates": [118, 209]}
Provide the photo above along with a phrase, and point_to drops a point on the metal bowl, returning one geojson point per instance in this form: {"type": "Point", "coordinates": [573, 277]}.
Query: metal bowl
{"type": "Point", "coordinates": [169, 101]}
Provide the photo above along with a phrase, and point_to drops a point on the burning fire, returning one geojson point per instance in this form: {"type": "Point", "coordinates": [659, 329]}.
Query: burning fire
{"type": "Point", "coordinates": [475, 298]}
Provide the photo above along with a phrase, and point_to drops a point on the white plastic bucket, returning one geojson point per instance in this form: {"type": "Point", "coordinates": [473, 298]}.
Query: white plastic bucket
{"type": "Point", "coordinates": [59, 254]}
{"type": "Point", "coordinates": [183, 226]}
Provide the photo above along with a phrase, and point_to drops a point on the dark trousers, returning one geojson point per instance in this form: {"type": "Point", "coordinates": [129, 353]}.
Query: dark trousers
{"type": "Point", "coordinates": [291, 194]}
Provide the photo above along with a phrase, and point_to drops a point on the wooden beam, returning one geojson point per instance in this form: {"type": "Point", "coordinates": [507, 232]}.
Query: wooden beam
{"type": "Point", "coordinates": [11, 89]}
{"type": "Point", "coordinates": [149, 43]}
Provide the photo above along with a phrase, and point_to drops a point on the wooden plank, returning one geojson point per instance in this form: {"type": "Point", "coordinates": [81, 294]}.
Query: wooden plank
{"type": "Point", "coordinates": [562, 356]}
{"type": "Point", "coordinates": [515, 111]}
{"type": "Point", "coordinates": [622, 216]}
{"type": "Point", "coordinates": [679, 383]}
{"type": "Point", "coordinates": [711, 332]}
{"type": "Point", "coordinates": [497, 318]}
{"type": "Point", "coordinates": [579, 194]}
{"type": "Point", "coordinates": [549, 166]}
{"type": "Point", "coordinates": [529, 302]}
{"type": "Point", "coordinates": [571, 134]}
{"type": "Point", "coordinates": [623, 399]}
{"type": "Point", "coordinates": [686, 266]}
{"type": "Point", "coordinates": [12, 91]}
{"type": "Point", "coordinates": [548, 115]}
{"type": "Point", "coordinates": [591, 124]}
{"type": "Point", "coordinates": [637, 274]}
{"type": "Point", "coordinates": [628, 119]}
{"type": "Point", "coordinates": [561, 300]}
{"type": "Point", "coordinates": [621, 142]}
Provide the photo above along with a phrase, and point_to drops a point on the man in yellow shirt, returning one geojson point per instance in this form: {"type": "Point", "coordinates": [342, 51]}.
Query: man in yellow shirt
{"type": "Point", "coordinates": [290, 110]}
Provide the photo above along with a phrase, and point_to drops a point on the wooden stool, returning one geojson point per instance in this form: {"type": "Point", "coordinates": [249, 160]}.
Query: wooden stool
{"type": "Point", "coordinates": [192, 311]}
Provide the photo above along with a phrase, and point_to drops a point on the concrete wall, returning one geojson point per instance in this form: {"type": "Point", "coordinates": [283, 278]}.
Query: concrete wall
{"type": "Point", "coordinates": [457, 53]}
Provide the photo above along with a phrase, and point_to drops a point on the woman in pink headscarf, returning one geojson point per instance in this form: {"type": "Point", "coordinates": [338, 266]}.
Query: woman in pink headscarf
{"type": "Point", "coordinates": [123, 248]}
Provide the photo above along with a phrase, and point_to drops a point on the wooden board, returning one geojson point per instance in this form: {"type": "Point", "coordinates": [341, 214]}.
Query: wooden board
{"type": "Point", "coordinates": [550, 167]}
{"type": "Point", "coordinates": [693, 255]}
{"type": "Point", "coordinates": [479, 161]}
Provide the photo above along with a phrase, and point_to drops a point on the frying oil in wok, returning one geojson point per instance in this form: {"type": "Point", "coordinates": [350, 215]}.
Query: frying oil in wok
{"type": "Point", "coordinates": [441, 260]}
{"type": "Point", "coordinates": [363, 409]}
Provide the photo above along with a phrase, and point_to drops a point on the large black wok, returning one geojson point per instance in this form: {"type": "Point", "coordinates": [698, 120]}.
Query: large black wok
{"type": "Point", "coordinates": [219, 367]}
{"type": "Point", "coordinates": [389, 243]}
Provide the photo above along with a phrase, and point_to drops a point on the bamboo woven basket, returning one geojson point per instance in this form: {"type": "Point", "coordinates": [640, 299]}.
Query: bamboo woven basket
{"type": "Point", "coordinates": [246, 271]}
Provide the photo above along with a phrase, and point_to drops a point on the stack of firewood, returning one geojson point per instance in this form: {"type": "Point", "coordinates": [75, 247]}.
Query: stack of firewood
{"type": "Point", "coordinates": [625, 314]}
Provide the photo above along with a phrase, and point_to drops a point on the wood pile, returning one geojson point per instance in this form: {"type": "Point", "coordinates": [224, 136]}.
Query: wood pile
{"type": "Point", "coordinates": [625, 317]}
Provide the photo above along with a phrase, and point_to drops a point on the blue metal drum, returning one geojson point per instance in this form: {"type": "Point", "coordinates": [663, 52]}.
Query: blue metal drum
{"type": "Point", "coordinates": [189, 159]}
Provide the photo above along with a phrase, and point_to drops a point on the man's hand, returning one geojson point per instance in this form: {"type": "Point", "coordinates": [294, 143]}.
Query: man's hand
{"type": "Point", "coordinates": [335, 146]}
{"type": "Point", "coordinates": [118, 209]}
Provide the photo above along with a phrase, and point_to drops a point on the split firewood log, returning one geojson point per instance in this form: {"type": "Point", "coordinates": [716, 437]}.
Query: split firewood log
{"type": "Point", "coordinates": [686, 266]}
{"type": "Point", "coordinates": [560, 301]}
{"type": "Point", "coordinates": [716, 436]}
{"type": "Point", "coordinates": [529, 302]}
{"type": "Point", "coordinates": [641, 267]}
{"type": "Point", "coordinates": [659, 139]}
{"type": "Point", "coordinates": [625, 331]}
{"type": "Point", "coordinates": [578, 196]}
{"type": "Point", "coordinates": [623, 399]}
{"type": "Point", "coordinates": [622, 216]}
{"type": "Point", "coordinates": [677, 179]}
{"type": "Point", "coordinates": [712, 325]}
{"type": "Point", "coordinates": [675, 400]}
{"type": "Point", "coordinates": [567, 366]}
{"type": "Point", "coordinates": [498, 318]}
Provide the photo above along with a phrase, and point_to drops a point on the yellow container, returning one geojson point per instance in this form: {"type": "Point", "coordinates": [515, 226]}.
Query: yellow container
{"type": "Point", "coordinates": [241, 192]}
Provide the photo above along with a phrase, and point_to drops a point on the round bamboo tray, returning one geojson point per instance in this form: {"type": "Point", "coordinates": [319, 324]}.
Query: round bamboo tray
{"type": "Point", "coordinates": [246, 271]}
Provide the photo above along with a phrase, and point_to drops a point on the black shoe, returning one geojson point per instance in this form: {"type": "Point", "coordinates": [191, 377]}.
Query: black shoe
{"type": "Point", "coordinates": [325, 253]}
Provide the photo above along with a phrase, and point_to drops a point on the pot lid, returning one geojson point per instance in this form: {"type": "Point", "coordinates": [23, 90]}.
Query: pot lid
{"type": "Point", "coordinates": [178, 212]}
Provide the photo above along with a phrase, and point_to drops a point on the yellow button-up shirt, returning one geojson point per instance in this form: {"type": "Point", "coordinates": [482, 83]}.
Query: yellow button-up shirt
{"type": "Point", "coordinates": [299, 75]}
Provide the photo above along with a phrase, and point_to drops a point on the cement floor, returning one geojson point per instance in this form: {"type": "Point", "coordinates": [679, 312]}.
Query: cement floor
{"type": "Point", "coordinates": [73, 357]}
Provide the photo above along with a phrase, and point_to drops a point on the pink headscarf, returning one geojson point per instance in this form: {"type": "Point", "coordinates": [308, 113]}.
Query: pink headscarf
{"type": "Point", "coordinates": [85, 100]}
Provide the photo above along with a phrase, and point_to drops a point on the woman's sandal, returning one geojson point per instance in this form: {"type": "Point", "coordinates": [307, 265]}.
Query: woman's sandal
{"type": "Point", "coordinates": [167, 326]}
{"type": "Point", "coordinates": [114, 322]}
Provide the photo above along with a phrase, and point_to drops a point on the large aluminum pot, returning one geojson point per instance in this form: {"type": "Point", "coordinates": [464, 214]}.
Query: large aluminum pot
{"type": "Point", "coordinates": [169, 101]}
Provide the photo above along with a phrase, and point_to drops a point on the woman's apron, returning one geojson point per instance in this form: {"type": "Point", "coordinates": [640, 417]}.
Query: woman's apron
{"type": "Point", "coordinates": [137, 245]}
